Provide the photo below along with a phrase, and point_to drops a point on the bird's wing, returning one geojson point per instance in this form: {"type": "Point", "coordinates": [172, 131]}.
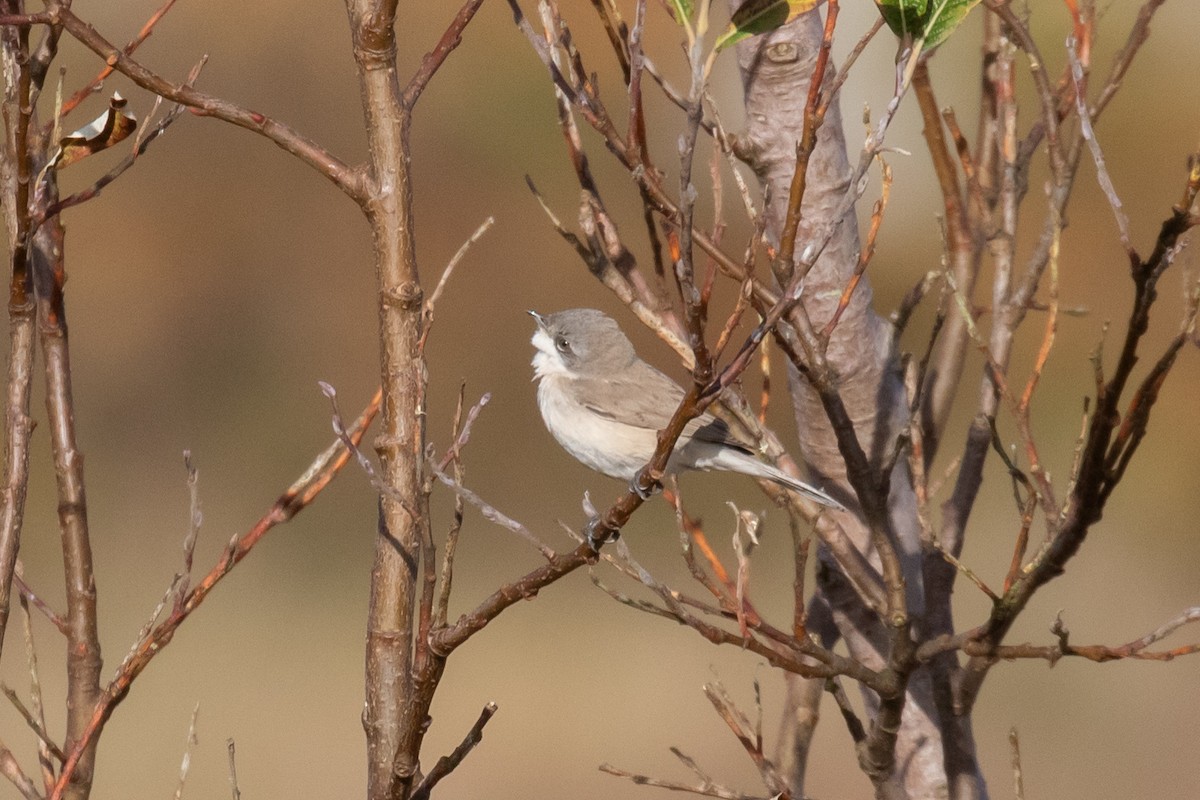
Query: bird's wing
{"type": "Point", "coordinates": [707, 428]}
{"type": "Point", "coordinates": [646, 398]}
{"type": "Point", "coordinates": [639, 396]}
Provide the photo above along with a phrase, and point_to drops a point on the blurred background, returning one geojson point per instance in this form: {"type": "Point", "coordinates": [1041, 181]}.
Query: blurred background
{"type": "Point", "coordinates": [215, 283]}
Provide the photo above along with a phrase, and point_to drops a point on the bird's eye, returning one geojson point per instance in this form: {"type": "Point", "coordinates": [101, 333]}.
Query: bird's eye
{"type": "Point", "coordinates": [562, 344]}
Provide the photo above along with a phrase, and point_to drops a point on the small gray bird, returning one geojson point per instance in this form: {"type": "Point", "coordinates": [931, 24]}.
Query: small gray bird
{"type": "Point", "coordinates": [605, 405]}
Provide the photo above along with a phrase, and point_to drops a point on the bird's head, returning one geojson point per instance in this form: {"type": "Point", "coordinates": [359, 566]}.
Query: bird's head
{"type": "Point", "coordinates": [579, 342]}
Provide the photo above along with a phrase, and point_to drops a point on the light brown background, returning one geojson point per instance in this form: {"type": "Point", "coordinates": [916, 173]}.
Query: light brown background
{"type": "Point", "coordinates": [219, 280]}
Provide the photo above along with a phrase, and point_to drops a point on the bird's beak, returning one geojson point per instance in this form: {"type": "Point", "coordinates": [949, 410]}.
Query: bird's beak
{"type": "Point", "coordinates": [538, 317]}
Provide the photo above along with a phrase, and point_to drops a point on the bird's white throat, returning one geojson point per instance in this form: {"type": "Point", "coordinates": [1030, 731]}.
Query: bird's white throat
{"type": "Point", "coordinates": [546, 361]}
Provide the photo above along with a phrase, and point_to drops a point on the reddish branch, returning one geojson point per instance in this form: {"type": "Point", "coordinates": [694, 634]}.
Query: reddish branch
{"type": "Point", "coordinates": [295, 499]}
{"type": "Point", "coordinates": [402, 669]}
{"type": "Point", "coordinates": [85, 92]}
{"type": "Point", "coordinates": [973, 643]}
{"type": "Point", "coordinates": [800, 656]}
{"type": "Point", "coordinates": [445, 640]}
{"type": "Point", "coordinates": [749, 738]}
{"type": "Point", "coordinates": [864, 258]}
{"type": "Point", "coordinates": [815, 107]}
{"type": "Point", "coordinates": [344, 177]}
{"type": "Point", "coordinates": [987, 201]}
{"type": "Point", "coordinates": [1113, 437]}
{"type": "Point", "coordinates": [143, 142]}
{"type": "Point", "coordinates": [434, 59]}
{"type": "Point", "coordinates": [573, 85]}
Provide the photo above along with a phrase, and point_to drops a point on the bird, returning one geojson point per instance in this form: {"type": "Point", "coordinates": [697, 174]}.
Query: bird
{"type": "Point", "coordinates": [605, 406]}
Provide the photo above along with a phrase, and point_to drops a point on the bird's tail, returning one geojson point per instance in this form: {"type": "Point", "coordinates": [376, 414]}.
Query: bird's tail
{"type": "Point", "coordinates": [761, 469]}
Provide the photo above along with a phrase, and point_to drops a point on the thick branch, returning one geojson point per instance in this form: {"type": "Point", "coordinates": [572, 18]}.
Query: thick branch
{"type": "Point", "coordinates": [400, 679]}
{"type": "Point", "coordinates": [18, 426]}
{"type": "Point", "coordinates": [849, 404]}
{"type": "Point", "coordinates": [83, 638]}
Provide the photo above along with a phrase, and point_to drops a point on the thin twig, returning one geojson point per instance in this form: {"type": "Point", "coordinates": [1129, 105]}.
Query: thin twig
{"type": "Point", "coordinates": [965, 570]}
{"type": "Point", "coordinates": [234, 790]}
{"type": "Point", "coordinates": [85, 92]}
{"type": "Point", "coordinates": [10, 769]}
{"type": "Point", "coordinates": [46, 763]}
{"type": "Point", "coordinates": [866, 253]}
{"type": "Point", "coordinates": [195, 519]}
{"type": "Point", "coordinates": [186, 762]}
{"type": "Point", "coordinates": [295, 499]}
{"type": "Point", "coordinates": [343, 176]}
{"type": "Point", "coordinates": [1089, 135]}
{"type": "Point", "coordinates": [434, 59]}
{"type": "Point", "coordinates": [492, 514]}
{"type": "Point", "coordinates": [1014, 743]}
{"type": "Point", "coordinates": [446, 579]}
{"type": "Point", "coordinates": [447, 764]}
{"type": "Point", "coordinates": [704, 787]}
{"type": "Point", "coordinates": [27, 594]}
{"type": "Point", "coordinates": [458, 256]}
{"type": "Point", "coordinates": [742, 729]}
{"type": "Point", "coordinates": [37, 726]}
{"type": "Point", "coordinates": [339, 428]}
{"type": "Point", "coordinates": [141, 145]}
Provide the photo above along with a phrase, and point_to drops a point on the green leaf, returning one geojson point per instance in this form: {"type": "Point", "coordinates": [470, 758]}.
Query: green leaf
{"type": "Point", "coordinates": [931, 21]}
{"type": "Point", "coordinates": [683, 10]}
{"type": "Point", "coordinates": [761, 16]}
{"type": "Point", "coordinates": [904, 17]}
{"type": "Point", "coordinates": [945, 17]}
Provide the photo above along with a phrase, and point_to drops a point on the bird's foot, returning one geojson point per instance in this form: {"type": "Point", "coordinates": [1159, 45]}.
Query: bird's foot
{"type": "Point", "coordinates": [645, 485]}
{"type": "Point", "coordinates": [599, 532]}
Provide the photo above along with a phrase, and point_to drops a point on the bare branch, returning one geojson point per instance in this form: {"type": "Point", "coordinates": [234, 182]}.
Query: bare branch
{"type": "Point", "coordinates": [492, 514]}
{"type": "Point", "coordinates": [186, 761]}
{"type": "Point", "coordinates": [143, 143]}
{"type": "Point", "coordinates": [444, 641]}
{"type": "Point", "coordinates": [37, 726]}
{"type": "Point", "coordinates": [45, 756]}
{"type": "Point", "coordinates": [27, 595]}
{"type": "Point", "coordinates": [434, 59]}
{"type": "Point", "coordinates": [740, 726]}
{"type": "Point", "coordinates": [85, 92]}
{"type": "Point", "coordinates": [296, 498]}
{"type": "Point", "coordinates": [195, 519]}
{"type": "Point", "coordinates": [703, 787]}
{"type": "Point", "coordinates": [1014, 742]}
{"type": "Point", "coordinates": [447, 764]}
{"type": "Point", "coordinates": [1089, 135]}
{"type": "Point", "coordinates": [233, 781]}
{"type": "Point", "coordinates": [453, 262]}
{"type": "Point", "coordinates": [342, 176]}
{"type": "Point", "coordinates": [10, 769]}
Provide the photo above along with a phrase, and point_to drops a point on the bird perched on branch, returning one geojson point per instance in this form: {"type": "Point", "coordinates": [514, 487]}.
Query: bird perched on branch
{"type": "Point", "coordinates": [605, 406]}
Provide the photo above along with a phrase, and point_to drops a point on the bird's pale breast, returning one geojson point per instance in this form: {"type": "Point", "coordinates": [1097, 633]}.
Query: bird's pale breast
{"type": "Point", "coordinates": [613, 448]}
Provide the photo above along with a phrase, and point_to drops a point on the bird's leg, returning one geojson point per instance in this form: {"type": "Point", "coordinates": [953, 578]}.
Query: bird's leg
{"type": "Point", "coordinates": [646, 483]}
